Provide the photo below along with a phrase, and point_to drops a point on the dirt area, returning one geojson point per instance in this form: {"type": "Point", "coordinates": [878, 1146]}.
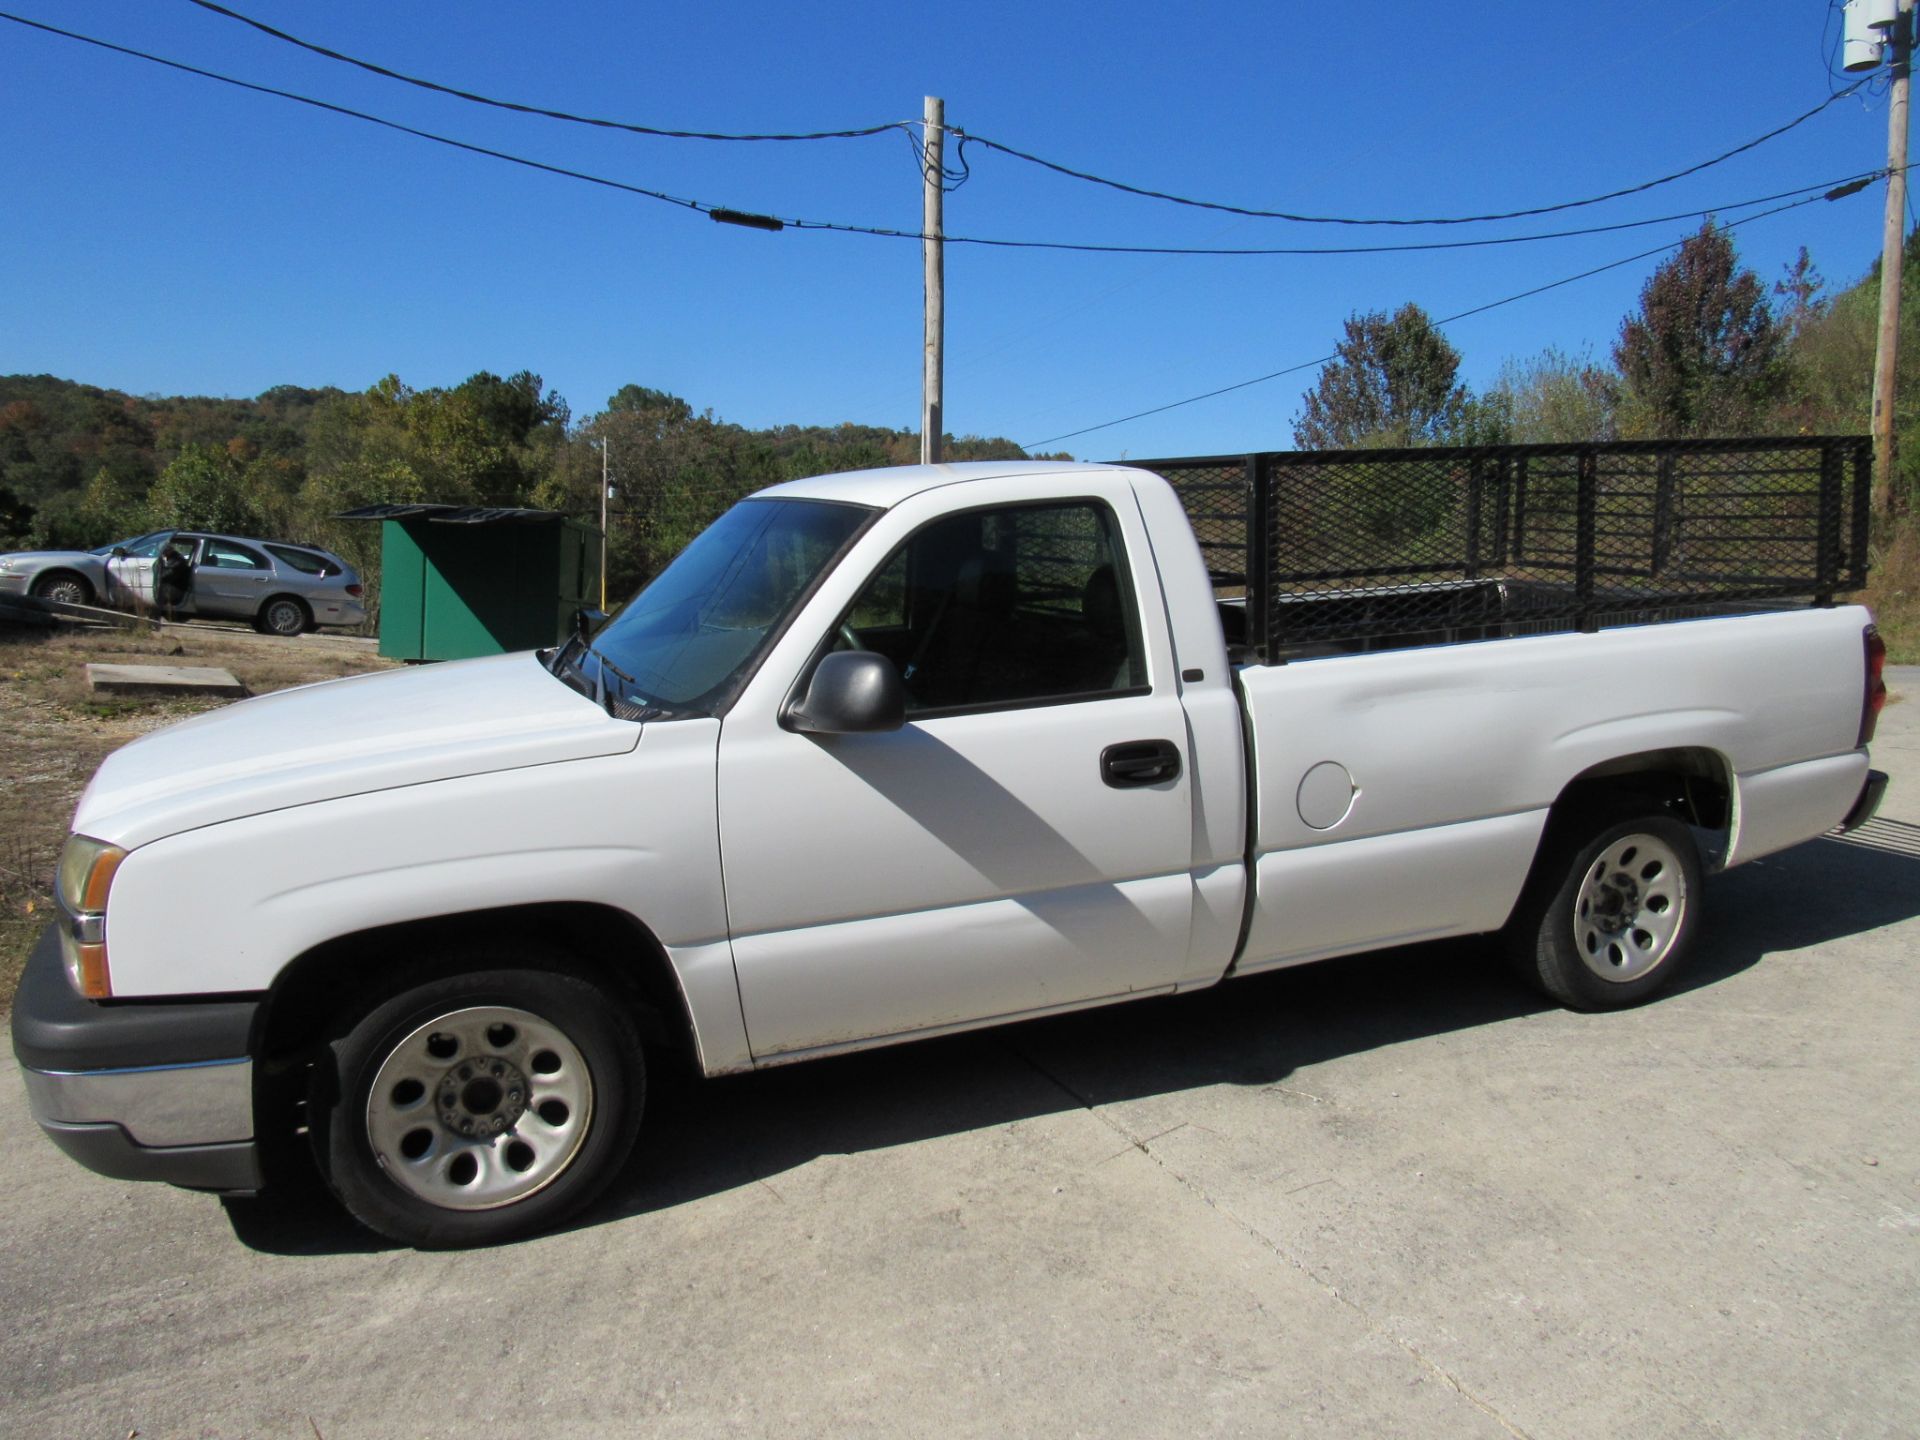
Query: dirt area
{"type": "Point", "coordinates": [54, 733]}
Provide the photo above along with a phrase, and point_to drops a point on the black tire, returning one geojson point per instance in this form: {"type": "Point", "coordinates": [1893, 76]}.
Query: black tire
{"type": "Point", "coordinates": [1610, 912]}
{"type": "Point", "coordinates": [435, 1126]}
{"type": "Point", "coordinates": [284, 615]}
{"type": "Point", "coordinates": [63, 587]}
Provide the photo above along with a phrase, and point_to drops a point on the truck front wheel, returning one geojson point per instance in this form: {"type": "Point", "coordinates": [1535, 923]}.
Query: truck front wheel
{"type": "Point", "coordinates": [476, 1108]}
{"type": "Point", "coordinates": [1606, 921]}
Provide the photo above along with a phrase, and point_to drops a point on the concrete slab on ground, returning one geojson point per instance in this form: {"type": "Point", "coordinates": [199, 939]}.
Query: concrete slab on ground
{"type": "Point", "coordinates": [1390, 1195]}
{"type": "Point", "coordinates": [164, 680]}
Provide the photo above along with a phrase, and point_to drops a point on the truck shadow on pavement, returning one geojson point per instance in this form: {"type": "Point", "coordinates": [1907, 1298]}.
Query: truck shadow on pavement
{"type": "Point", "coordinates": [707, 1138]}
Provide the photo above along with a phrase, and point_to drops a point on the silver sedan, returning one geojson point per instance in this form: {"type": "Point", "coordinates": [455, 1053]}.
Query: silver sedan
{"type": "Point", "coordinates": [280, 587]}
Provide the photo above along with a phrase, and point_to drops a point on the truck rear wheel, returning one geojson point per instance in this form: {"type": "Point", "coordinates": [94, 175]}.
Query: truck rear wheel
{"type": "Point", "coordinates": [1608, 919]}
{"type": "Point", "coordinates": [480, 1107]}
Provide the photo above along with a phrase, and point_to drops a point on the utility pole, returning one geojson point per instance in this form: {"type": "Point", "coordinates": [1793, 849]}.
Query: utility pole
{"type": "Point", "coordinates": [606, 445]}
{"type": "Point", "coordinates": [933, 256]}
{"type": "Point", "coordinates": [1899, 44]}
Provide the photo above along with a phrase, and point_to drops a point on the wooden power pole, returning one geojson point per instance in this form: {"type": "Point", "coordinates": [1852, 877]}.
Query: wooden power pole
{"type": "Point", "coordinates": [1892, 248]}
{"type": "Point", "coordinates": [932, 247]}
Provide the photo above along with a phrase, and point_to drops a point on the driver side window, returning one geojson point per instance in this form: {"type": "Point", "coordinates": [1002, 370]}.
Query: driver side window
{"type": "Point", "coordinates": [1023, 605]}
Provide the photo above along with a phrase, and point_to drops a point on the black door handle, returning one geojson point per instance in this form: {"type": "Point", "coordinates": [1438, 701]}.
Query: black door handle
{"type": "Point", "coordinates": [1139, 762]}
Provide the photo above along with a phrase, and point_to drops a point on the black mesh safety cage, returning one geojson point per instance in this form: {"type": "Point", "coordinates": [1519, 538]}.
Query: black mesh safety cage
{"type": "Point", "coordinates": [1328, 551]}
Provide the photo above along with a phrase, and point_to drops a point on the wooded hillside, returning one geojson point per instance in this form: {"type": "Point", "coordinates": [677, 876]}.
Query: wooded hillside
{"type": "Point", "coordinates": [80, 466]}
{"type": "Point", "coordinates": [1710, 349]}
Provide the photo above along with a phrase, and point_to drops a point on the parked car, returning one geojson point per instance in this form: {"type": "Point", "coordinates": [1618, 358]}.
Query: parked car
{"type": "Point", "coordinates": [281, 587]}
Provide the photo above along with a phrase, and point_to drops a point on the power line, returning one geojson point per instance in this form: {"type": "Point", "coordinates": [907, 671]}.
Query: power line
{"type": "Point", "coordinates": [955, 178]}
{"type": "Point", "coordinates": [1438, 324]}
{"type": "Point", "coordinates": [1825, 187]}
{"type": "Point", "coordinates": [525, 109]}
{"type": "Point", "coordinates": [736, 216]}
{"type": "Point", "coordinates": [1256, 214]}
{"type": "Point", "coordinates": [358, 115]}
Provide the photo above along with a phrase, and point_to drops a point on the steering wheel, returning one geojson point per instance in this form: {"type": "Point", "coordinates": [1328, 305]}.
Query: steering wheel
{"type": "Point", "coordinates": [849, 637]}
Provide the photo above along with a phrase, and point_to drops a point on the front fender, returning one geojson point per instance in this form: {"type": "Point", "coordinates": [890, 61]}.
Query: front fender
{"type": "Point", "coordinates": [224, 908]}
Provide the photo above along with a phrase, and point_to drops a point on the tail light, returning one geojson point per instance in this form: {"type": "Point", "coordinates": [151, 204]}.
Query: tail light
{"type": "Point", "coordinates": [355, 590]}
{"type": "Point", "coordinates": [1876, 694]}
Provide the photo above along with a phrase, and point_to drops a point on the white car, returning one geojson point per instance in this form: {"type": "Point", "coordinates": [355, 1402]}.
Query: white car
{"type": "Point", "coordinates": [280, 587]}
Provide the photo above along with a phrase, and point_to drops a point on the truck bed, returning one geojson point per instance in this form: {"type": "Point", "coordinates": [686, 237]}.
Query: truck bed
{"type": "Point", "coordinates": [1338, 552]}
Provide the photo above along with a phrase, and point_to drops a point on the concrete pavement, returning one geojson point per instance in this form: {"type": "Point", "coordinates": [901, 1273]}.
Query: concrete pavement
{"type": "Point", "coordinates": [1385, 1196]}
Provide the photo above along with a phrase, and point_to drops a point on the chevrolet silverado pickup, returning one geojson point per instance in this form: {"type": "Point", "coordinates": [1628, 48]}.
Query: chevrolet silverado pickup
{"type": "Point", "coordinates": [897, 753]}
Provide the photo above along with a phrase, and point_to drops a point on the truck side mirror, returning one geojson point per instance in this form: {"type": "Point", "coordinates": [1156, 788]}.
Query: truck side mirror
{"type": "Point", "coordinates": [586, 620]}
{"type": "Point", "coordinates": [852, 692]}
{"type": "Point", "coordinates": [119, 553]}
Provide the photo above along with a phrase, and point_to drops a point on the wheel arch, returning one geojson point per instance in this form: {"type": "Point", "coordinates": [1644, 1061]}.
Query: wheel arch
{"type": "Point", "coordinates": [54, 573]}
{"type": "Point", "coordinates": [1692, 783]}
{"type": "Point", "coordinates": [604, 944]}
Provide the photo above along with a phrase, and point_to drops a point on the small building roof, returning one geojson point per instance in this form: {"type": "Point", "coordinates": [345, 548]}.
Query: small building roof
{"type": "Point", "coordinates": [452, 514]}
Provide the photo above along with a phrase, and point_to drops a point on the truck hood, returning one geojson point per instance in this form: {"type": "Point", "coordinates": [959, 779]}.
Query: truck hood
{"type": "Point", "coordinates": [345, 737]}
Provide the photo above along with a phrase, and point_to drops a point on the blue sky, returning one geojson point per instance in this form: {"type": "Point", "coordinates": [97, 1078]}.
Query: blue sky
{"type": "Point", "coordinates": [165, 234]}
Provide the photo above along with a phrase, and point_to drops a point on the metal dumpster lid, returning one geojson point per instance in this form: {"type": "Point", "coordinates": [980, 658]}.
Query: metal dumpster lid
{"type": "Point", "coordinates": [451, 514]}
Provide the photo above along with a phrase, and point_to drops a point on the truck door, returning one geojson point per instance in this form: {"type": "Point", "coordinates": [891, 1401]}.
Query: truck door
{"type": "Point", "coordinates": [1024, 841]}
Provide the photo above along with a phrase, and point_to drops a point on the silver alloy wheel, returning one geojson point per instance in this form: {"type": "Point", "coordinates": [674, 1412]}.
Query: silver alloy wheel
{"type": "Point", "coordinates": [66, 590]}
{"type": "Point", "coordinates": [1632, 901]}
{"type": "Point", "coordinates": [285, 617]}
{"type": "Point", "coordinates": [480, 1108]}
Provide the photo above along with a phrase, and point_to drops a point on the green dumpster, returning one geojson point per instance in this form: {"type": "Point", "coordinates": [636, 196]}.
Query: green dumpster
{"type": "Point", "coordinates": [464, 580]}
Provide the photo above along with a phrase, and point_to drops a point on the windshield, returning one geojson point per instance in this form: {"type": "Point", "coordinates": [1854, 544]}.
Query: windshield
{"type": "Point", "coordinates": [699, 625]}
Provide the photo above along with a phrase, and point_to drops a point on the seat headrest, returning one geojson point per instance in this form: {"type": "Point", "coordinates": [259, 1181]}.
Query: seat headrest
{"type": "Point", "coordinates": [1100, 603]}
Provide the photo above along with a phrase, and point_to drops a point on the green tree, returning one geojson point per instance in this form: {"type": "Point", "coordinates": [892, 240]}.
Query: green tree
{"type": "Point", "coordinates": [1555, 398]}
{"type": "Point", "coordinates": [106, 508]}
{"type": "Point", "coordinates": [16, 521]}
{"type": "Point", "coordinates": [205, 489]}
{"type": "Point", "coordinates": [1392, 382]}
{"type": "Point", "coordinates": [1702, 353]}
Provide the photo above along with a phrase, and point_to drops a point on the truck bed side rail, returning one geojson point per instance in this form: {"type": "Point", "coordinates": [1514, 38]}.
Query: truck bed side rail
{"type": "Point", "coordinates": [1343, 550]}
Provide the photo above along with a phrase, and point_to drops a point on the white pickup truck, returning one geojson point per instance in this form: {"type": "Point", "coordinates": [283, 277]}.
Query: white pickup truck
{"type": "Point", "coordinates": [879, 756]}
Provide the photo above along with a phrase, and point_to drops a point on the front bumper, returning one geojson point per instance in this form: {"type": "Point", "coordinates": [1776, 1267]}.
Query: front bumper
{"type": "Point", "coordinates": [158, 1090]}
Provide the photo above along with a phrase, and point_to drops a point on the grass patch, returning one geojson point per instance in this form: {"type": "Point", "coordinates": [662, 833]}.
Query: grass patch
{"type": "Point", "coordinates": [1893, 593]}
{"type": "Point", "coordinates": [54, 732]}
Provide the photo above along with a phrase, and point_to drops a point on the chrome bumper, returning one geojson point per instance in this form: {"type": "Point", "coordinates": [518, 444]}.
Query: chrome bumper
{"type": "Point", "coordinates": [157, 1105]}
{"type": "Point", "coordinates": [188, 1125]}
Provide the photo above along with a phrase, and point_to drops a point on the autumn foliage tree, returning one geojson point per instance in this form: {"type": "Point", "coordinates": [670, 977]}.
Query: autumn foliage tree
{"type": "Point", "coordinates": [1391, 382]}
{"type": "Point", "coordinates": [1701, 355]}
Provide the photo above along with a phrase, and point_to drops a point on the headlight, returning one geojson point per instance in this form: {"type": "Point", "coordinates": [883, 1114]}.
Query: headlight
{"type": "Point", "coordinates": [85, 876]}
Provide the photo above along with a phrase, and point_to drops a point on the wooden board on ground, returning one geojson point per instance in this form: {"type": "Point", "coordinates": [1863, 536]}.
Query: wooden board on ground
{"type": "Point", "coordinates": [163, 680]}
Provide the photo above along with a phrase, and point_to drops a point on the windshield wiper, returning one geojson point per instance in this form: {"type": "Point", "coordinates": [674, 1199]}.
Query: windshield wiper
{"type": "Point", "coordinates": [600, 676]}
